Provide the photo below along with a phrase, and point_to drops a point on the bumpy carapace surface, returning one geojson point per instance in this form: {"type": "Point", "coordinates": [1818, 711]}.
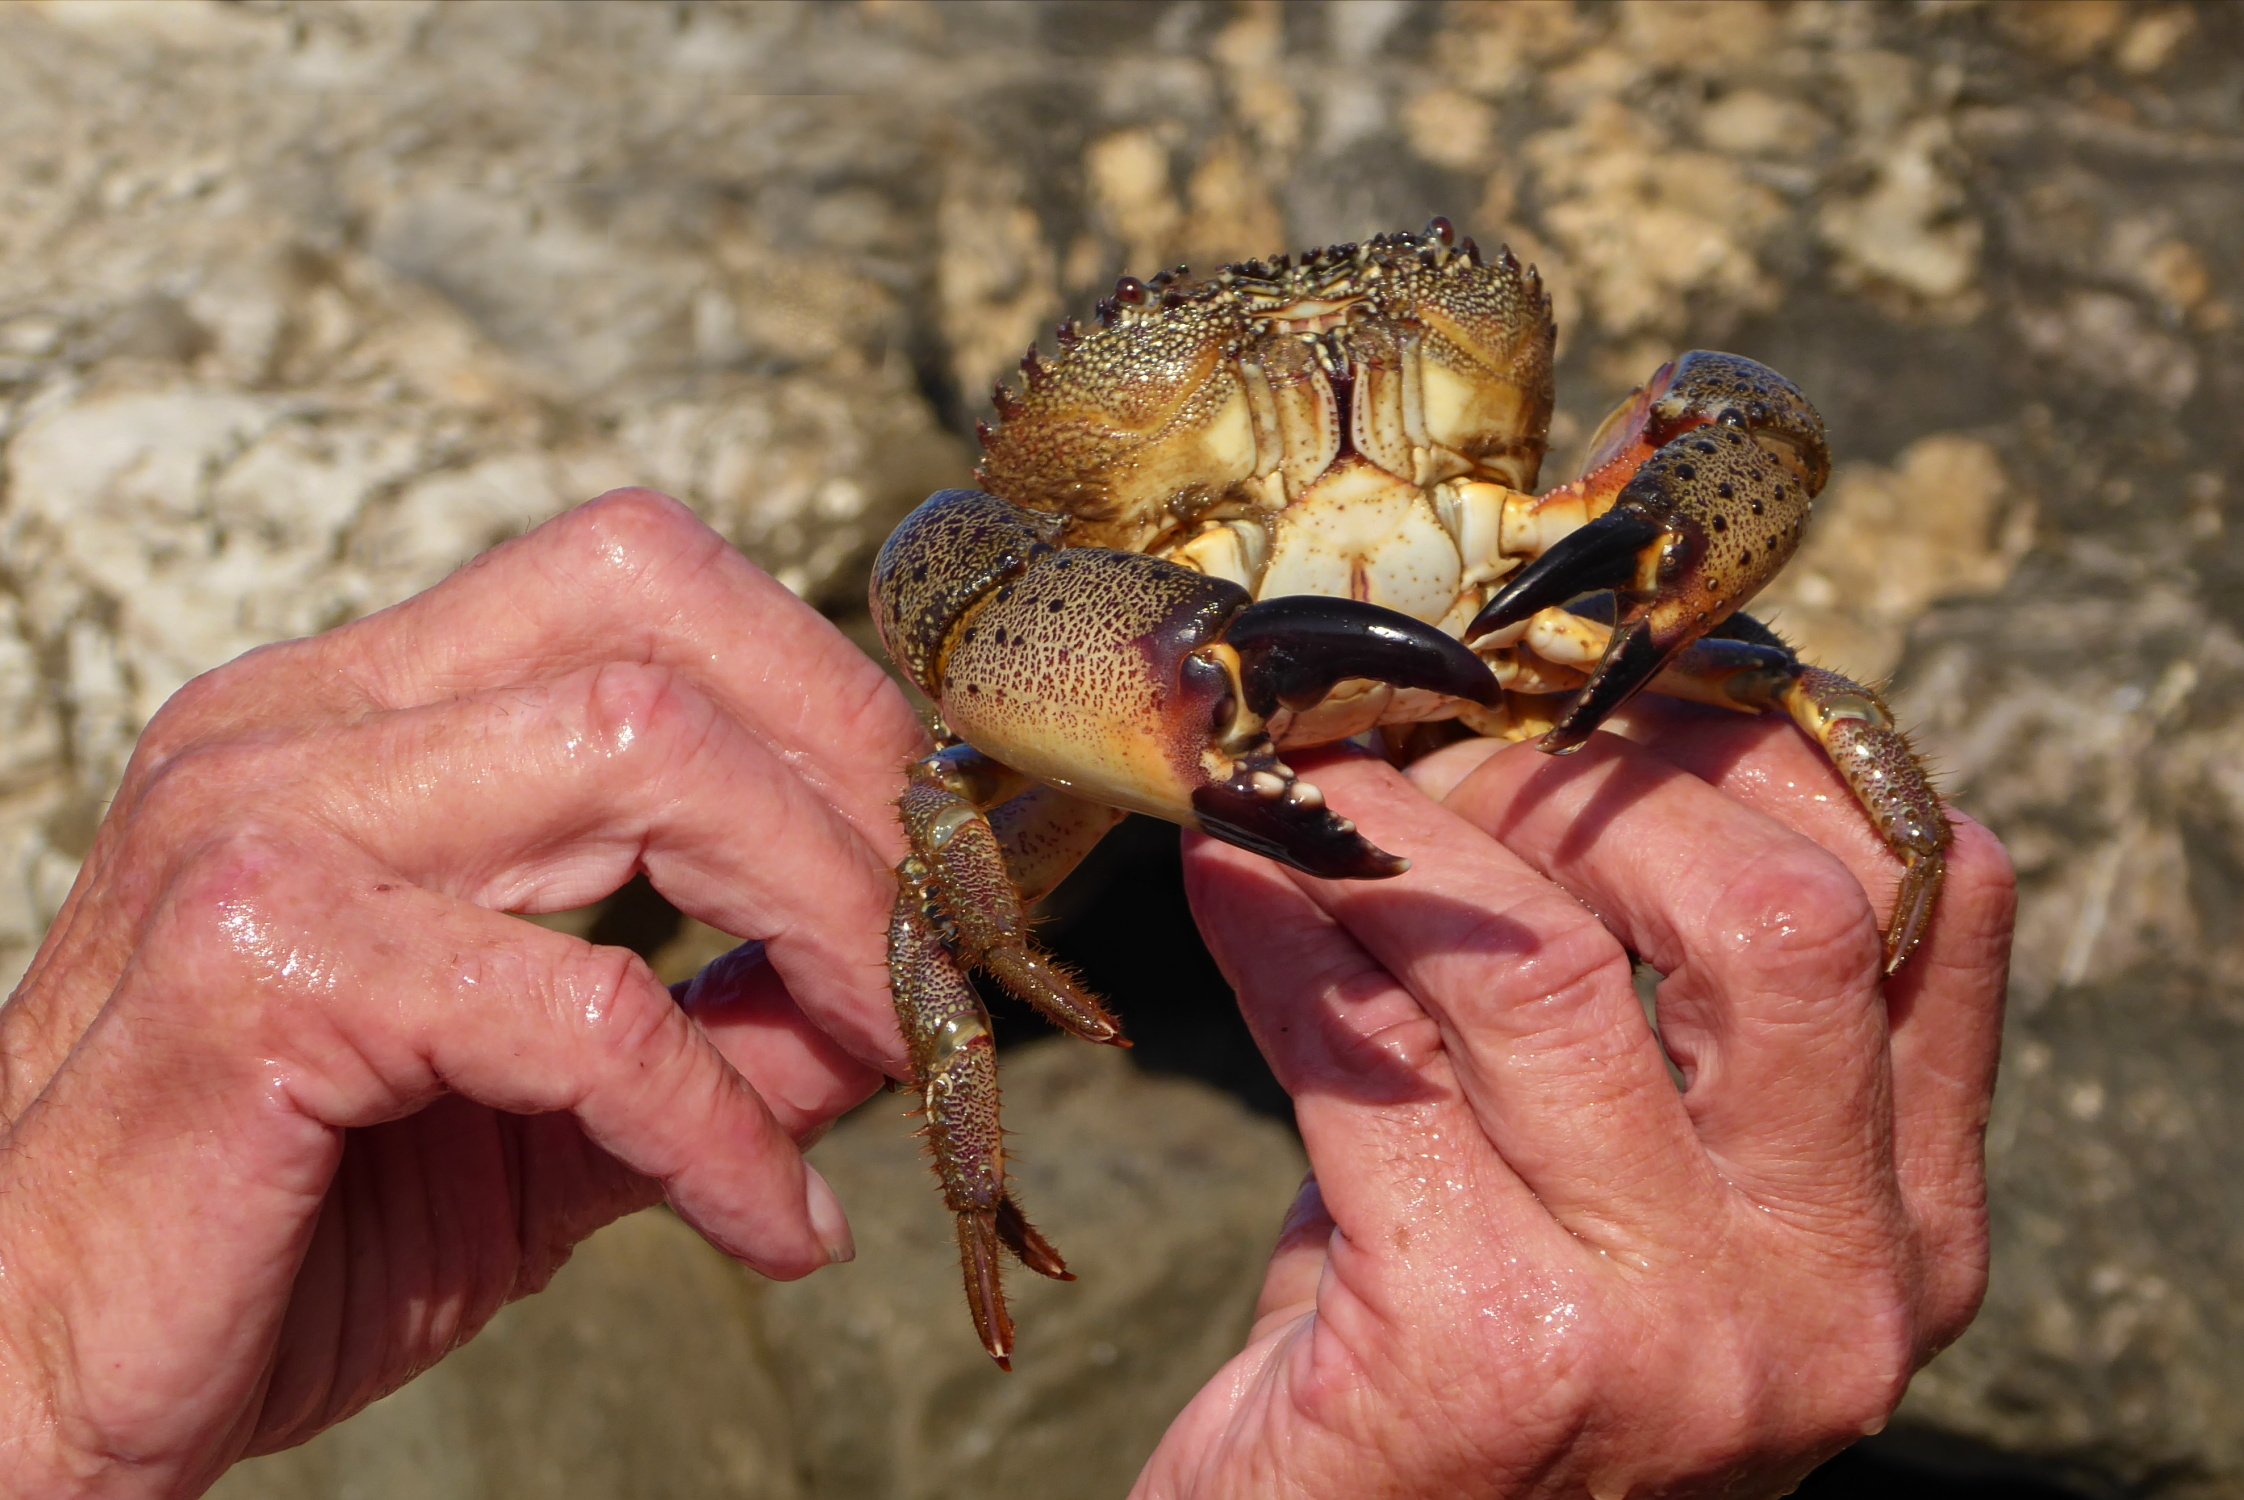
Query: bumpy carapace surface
{"type": "Point", "coordinates": [1288, 504]}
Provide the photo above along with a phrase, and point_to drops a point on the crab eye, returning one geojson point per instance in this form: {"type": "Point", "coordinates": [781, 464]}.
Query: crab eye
{"type": "Point", "coordinates": [1441, 231]}
{"type": "Point", "coordinates": [1130, 290]}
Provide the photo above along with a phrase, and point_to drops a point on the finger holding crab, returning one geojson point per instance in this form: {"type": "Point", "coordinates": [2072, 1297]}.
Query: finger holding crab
{"type": "Point", "coordinates": [1524, 1251]}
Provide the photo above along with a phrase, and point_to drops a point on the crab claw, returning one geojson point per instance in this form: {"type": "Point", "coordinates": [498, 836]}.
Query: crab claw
{"type": "Point", "coordinates": [1264, 807]}
{"type": "Point", "coordinates": [1289, 653]}
{"type": "Point", "coordinates": [1294, 650]}
{"type": "Point", "coordinates": [1712, 514]}
{"type": "Point", "coordinates": [1624, 552]}
{"type": "Point", "coordinates": [1137, 683]}
{"type": "Point", "coordinates": [1612, 552]}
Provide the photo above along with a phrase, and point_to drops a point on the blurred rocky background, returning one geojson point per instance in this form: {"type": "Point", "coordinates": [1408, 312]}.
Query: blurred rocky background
{"type": "Point", "coordinates": [301, 305]}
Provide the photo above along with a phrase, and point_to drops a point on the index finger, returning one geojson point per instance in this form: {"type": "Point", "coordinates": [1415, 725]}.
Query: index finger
{"type": "Point", "coordinates": [1537, 1007]}
{"type": "Point", "coordinates": [635, 576]}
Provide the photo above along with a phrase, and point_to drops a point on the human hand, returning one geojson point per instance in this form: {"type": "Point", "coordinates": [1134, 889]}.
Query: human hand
{"type": "Point", "coordinates": [1526, 1263]}
{"type": "Point", "coordinates": [292, 1108]}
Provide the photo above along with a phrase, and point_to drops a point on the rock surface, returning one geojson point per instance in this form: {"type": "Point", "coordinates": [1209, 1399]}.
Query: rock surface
{"type": "Point", "coordinates": [301, 305]}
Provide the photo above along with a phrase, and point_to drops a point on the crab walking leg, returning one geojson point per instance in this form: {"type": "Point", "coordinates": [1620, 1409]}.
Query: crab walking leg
{"type": "Point", "coordinates": [954, 1069]}
{"type": "Point", "coordinates": [1044, 832]}
{"type": "Point", "coordinates": [960, 904]}
{"type": "Point", "coordinates": [1856, 729]}
{"type": "Point", "coordinates": [961, 869]}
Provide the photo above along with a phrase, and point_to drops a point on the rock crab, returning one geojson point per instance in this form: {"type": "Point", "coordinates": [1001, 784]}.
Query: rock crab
{"type": "Point", "coordinates": [1284, 505]}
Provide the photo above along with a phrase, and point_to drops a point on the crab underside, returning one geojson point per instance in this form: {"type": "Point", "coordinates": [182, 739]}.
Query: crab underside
{"type": "Point", "coordinates": [1284, 505]}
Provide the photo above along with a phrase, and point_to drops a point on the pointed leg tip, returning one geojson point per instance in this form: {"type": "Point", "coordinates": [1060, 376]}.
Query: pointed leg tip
{"type": "Point", "coordinates": [1901, 942]}
{"type": "Point", "coordinates": [1912, 907]}
{"type": "Point", "coordinates": [1104, 1031]}
{"type": "Point", "coordinates": [985, 1294]}
{"type": "Point", "coordinates": [1031, 1248]}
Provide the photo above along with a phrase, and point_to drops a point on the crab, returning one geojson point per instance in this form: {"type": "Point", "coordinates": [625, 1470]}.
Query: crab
{"type": "Point", "coordinates": [1284, 505]}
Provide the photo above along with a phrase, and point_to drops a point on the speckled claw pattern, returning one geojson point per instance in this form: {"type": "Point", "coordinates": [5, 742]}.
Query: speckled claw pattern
{"type": "Point", "coordinates": [1140, 683]}
{"type": "Point", "coordinates": [1288, 504]}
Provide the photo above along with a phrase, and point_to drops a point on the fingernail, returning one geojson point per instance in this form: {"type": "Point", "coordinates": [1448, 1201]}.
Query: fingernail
{"type": "Point", "coordinates": [827, 1220]}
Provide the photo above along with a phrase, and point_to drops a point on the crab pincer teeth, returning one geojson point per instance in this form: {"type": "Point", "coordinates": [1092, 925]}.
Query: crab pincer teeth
{"type": "Point", "coordinates": [1294, 650]}
{"type": "Point", "coordinates": [1265, 808]}
{"type": "Point", "coordinates": [1608, 553]}
{"type": "Point", "coordinates": [1630, 663]}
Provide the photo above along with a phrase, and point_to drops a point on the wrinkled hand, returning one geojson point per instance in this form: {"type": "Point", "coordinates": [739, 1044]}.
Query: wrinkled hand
{"type": "Point", "coordinates": [292, 1108]}
{"type": "Point", "coordinates": [1527, 1264]}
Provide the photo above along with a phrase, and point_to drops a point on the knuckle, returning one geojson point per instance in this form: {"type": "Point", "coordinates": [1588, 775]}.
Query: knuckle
{"type": "Point", "coordinates": [1802, 921]}
{"type": "Point", "coordinates": [209, 793]}
{"type": "Point", "coordinates": [1771, 1372]}
{"type": "Point", "coordinates": [1708, 1371]}
{"type": "Point", "coordinates": [206, 707]}
{"type": "Point", "coordinates": [1408, 1044]}
{"type": "Point", "coordinates": [1750, 1402]}
{"type": "Point", "coordinates": [636, 532]}
{"type": "Point", "coordinates": [1859, 1393]}
{"type": "Point", "coordinates": [1861, 1364]}
{"type": "Point", "coordinates": [187, 717]}
{"type": "Point", "coordinates": [1574, 966]}
{"type": "Point", "coordinates": [631, 708]}
{"type": "Point", "coordinates": [224, 915]}
{"type": "Point", "coordinates": [608, 996]}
